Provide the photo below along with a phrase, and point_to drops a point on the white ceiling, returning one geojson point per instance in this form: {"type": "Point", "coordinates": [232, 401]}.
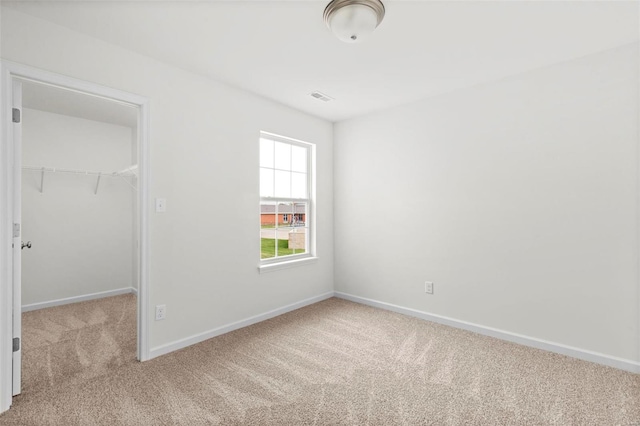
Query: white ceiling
{"type": "Point", "coordinates": [67, 102]}
{"type": "Point", "coordinates": [283, 51]}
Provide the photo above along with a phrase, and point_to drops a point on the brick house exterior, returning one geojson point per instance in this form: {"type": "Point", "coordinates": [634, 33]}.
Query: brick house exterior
{"type": "Point", "coordinates": [286, 215]}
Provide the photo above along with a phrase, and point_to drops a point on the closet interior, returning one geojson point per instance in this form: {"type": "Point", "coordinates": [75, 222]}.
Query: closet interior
{"type": "Point", "coordinates": [80, 236]}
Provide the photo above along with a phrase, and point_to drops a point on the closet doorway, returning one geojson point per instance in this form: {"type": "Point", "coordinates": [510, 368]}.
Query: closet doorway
{"type": "Point", "coordinates": [78, 263]}
{"type": "Point", "coordinates": [79, 239]}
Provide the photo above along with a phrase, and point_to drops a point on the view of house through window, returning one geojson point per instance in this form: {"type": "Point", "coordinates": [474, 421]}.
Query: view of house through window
{"type": "Point", "coordinates": [284, 197]}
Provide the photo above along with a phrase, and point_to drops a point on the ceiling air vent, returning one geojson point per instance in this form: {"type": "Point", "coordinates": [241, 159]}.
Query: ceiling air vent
{"type": "Point", "coordinates": [321, 96]}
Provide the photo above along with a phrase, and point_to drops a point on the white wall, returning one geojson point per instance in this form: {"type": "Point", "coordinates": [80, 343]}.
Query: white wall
{"type": "Point", "coordinates": [517, 198]}
{"type": "Point", "coordinates": [81, 241]}
{"type": "Point", "coordinates": [204, 251]}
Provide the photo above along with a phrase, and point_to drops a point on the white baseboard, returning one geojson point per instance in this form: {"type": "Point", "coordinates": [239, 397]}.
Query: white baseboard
{"type": "Point", "coordinates": [610, 361]}
{"type": "Point", "coordinates": [197, 338]}
{"type": "Point", "coordinates": [75, 299]}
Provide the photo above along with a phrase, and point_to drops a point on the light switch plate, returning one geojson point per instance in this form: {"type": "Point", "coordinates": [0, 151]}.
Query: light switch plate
{"type": "Point", "coordinates": [161, 205]}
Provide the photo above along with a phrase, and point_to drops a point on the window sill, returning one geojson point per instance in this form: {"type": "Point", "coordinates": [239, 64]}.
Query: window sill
{"type": "Point", "coordinates": [286, 264]}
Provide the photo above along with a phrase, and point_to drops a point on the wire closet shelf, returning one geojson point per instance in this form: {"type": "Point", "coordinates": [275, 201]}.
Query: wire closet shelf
{"type": "Point", "coordinates": [129, 172]}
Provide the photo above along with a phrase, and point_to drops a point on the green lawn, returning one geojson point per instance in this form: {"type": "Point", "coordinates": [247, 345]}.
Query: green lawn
{"type": "Point", "coordinates": [268, 248]}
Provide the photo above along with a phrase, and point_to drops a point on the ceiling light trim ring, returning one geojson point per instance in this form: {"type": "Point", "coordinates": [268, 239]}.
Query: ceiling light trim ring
{"type": "Point", "coordinates": [335, 5]}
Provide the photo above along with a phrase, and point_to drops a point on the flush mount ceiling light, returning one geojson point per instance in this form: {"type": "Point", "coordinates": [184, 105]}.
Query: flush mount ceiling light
{"type": "Point", "coordinates": [352, 21]}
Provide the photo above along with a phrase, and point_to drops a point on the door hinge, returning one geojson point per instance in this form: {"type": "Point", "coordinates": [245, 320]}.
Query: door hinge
{"type": "Point", "coordinates": [16, 344]}
{"type": "Point", "coordinates": [16, 230]}
{"type": "Point", "coordinates": [15, 115]}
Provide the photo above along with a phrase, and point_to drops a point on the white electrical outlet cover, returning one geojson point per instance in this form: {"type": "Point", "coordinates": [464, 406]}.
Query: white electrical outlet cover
{"type": "Point", "coordinates": [161, 312]}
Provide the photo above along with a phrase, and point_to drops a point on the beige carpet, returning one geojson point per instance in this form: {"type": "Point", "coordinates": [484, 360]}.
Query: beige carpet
{"type": "Point", "coordinates": [337, 362]}
{"type": "Point", "coordinates": [67, 345]}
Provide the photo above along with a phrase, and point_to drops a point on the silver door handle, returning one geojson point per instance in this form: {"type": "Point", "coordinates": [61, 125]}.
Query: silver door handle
{"type": "Point", "coordinates": [27, 245]}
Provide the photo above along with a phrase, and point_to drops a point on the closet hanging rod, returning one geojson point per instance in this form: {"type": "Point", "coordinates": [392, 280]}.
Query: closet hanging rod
{"type": "Point", "coordinates": [128, 172]}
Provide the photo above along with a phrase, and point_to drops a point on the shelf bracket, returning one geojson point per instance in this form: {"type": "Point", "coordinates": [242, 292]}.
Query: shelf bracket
{"type": "Point", "coordinates": [128, 183]}
{"type": "Point", "coordinates": [42, 181]}
{"type": "Point", "coordinates": [98, 183]}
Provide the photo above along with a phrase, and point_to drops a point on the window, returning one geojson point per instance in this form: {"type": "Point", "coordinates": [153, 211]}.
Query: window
{"type": "Point", "coordinates": [285, 198]}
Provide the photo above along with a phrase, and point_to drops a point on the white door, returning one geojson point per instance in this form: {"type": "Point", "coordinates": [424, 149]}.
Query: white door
{"type": "Point", "coordinates": [17, 234]}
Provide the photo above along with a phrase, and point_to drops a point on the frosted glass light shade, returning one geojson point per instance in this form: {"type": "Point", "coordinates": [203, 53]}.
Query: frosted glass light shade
{"type": "Point", "coordinates": [352, 21]}
{"type": "Point", "coordinates": [353, 24]}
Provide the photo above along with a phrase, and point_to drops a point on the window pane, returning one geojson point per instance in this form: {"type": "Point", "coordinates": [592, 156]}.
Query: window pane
{"type": "Point", "coordinates": [297, 238]}
{"type": "Point", "coordinates": [298, 159]}
{"type": "Point", "coordinates": [283, 184]}
{"type": "Point", "coordinates": [283, 156]}
{"type": "Point", "coordinates": [266, 153]}
{"type": "Point", "coordinates": [267, 215]}
{"type": "Point", "coordinates": [300, 214]}
{"type": "Point", "coordinates": [266, 182]}
{"type": "Point", "coordinates": [267, 230]}
{"type": "Point", "coordinates": [267, 243]}
{"type": "Point", "coordinates": [284, 216]}
{"type": "Point", "coordinates": [298, 185]}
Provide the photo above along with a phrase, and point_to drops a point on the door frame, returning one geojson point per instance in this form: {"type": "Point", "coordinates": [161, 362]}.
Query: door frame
{"type": "Point", "coordinates": [8, 72]}
{"type": "Point", "coordinates": [16, 270]}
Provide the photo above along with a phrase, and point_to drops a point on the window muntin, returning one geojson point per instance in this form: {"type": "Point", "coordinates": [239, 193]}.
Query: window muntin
{"type": "Point", "coordinates": [285, 204]}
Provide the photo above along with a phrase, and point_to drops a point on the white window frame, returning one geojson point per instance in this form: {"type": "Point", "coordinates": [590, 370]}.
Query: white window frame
{"type": "Point", "coordinates": [275, 263]}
